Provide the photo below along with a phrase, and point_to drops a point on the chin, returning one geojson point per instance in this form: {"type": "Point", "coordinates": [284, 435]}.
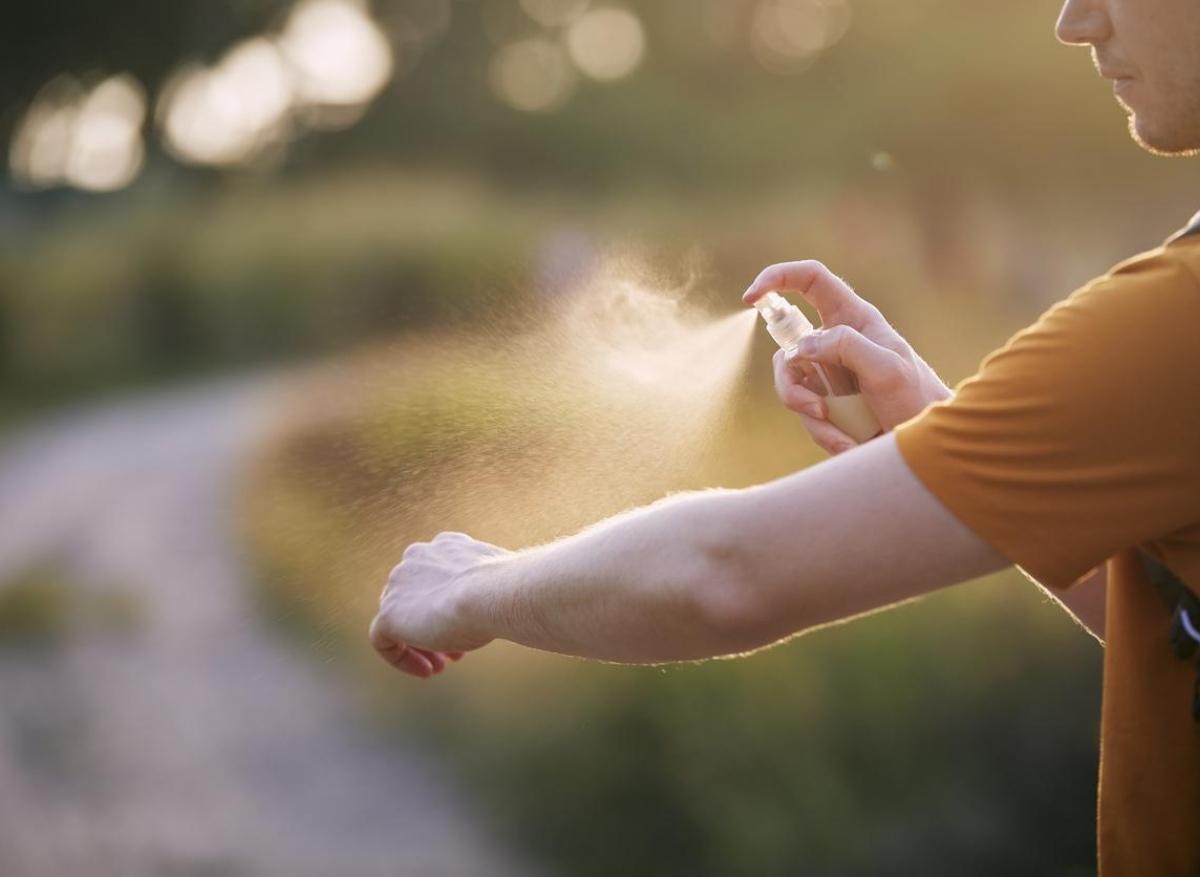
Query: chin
{"type": "Point", "coordinates": [1163, 140]}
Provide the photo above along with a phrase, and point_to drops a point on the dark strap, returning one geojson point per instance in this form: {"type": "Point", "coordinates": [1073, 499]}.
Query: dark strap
{"type": "Point", "coordinates": [1185, 617]}
{"type": "Point", "coordinates": [1168, 585]}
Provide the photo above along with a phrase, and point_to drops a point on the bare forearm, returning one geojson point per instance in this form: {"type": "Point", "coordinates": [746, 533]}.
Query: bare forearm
{"type": "Point", "coordinates": [729, 571]}
{"type": "Point", "coordinates": [637, 588]}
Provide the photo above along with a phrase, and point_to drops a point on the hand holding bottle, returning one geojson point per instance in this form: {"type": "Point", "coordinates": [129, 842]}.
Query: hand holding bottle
{"type": "Point", "coordinates": [895, 382]}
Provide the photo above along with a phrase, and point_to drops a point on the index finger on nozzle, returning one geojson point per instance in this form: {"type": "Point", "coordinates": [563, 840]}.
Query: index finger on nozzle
{"type": "Point", "coordinates": [754, 293]}
{"type": "Point", "coordinates": [781, 277]}
{"type": "Point", "coordinates": [834, 300]}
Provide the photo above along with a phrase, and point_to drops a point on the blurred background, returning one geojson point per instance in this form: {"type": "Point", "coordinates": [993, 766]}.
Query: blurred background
{"type": "Point", "coordinates": [276, 285]}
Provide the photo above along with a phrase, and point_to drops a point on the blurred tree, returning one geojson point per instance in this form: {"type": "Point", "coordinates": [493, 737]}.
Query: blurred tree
{"type": "Point", "coordinates": [147, 38]}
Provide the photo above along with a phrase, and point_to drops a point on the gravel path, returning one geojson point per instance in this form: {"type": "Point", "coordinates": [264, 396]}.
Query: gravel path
{"type": "Point", "coordinates": [195, 743]}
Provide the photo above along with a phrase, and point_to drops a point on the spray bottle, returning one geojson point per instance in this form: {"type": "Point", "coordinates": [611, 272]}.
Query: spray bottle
{"type": "Point", "coordinates": [848, 410]}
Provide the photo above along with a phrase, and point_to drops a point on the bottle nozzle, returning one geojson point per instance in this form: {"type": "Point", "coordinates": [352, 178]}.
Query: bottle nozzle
{"type": "Point", "coordinates": [847, 408]}
{"type": "Point", "coordinates": [786, 323]}
{"type": "Point", "coordinates": [772, 306]}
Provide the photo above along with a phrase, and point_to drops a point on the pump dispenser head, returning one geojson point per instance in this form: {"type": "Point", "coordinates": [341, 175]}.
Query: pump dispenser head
{"type": "Point", "coordinates": [785, 322]}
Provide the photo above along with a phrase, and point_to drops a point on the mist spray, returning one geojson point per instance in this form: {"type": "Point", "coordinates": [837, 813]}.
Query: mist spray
{"type": "Point", "coordinates": [848, 410]}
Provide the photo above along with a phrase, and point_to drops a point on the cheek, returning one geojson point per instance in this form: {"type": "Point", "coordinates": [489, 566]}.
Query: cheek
{"type": "Point", "coordinates": [1161, 39]}
{"type": "Point", "coordinates": [1171, 98]}
{"type": "Point", "coordinates": [1164, 41]}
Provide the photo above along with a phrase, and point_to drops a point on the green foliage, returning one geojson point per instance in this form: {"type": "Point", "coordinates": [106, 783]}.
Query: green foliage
{"type": "Point", "coordinates": [960, 730]}
{"type": "Point", "coordinates": [357, 234]}
{"type": "Point", "coordinates": [909, 738]}
{"type": "Point", "coordinates": [247, 279]}
{"type": "Point", "coordinates": [34, 609]}
{"type": "Point", "coordinates": [43, 605]}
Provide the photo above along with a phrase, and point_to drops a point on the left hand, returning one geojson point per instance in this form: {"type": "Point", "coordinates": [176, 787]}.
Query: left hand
{"type": "Point", "coordinates": [419, 628]}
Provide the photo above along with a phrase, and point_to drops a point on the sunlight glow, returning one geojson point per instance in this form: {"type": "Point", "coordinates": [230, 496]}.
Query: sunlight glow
{"type": "Point", "coordinates": [87, 139]}
{"type": "Point", "coordinates": [330, 60]}
{"type": "Point", "coordinates": [339, 55]}
{"type": "Point", "coordinates": [883, 161]}
{"type": "Point", "coordinates": [229, 113]}
{"type": "Point", "coordinates": [607, 43]}
{"type": "Point", "coordinates": [532, 75]}
{"type": "Point", "coordinates": [788, 35]}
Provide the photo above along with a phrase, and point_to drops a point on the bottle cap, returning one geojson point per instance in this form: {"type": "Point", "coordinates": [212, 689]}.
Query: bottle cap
{"type": "Point", "coordinates": [786, 322]}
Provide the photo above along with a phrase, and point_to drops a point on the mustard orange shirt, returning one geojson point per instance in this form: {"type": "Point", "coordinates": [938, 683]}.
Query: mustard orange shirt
{"type": "Point", "coordinates": [1077, 444]}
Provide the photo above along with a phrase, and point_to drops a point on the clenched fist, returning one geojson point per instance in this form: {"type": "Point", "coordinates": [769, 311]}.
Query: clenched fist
{"type": "Point", "coordinates": [421, 625]}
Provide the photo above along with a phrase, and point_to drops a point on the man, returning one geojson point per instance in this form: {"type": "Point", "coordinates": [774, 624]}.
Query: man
{"type": "Point", "coordinates": [1074, 452]}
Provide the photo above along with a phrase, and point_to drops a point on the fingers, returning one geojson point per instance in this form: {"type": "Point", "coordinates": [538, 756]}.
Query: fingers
{"type": "Point", "coordinates": [421, 663]}
{"type": "Point", "coordinates": [810, 406]}
{"type": "Point", "coordinates": [414, 661]}
{"type": "Point", "coordinates": [436, 659]}
{"type": "Point", "coordinates": [834, 300]}
{"type": "Point", "coordinates": [875, 366]}
{"type": "Point", "coordinates": [792, 391]}
{"type": "Point", "coordinates": [828, 436]}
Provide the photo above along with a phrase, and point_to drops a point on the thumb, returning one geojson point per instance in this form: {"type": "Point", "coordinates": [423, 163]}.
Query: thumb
{"type": "Point", "coordinates": [846, 346]}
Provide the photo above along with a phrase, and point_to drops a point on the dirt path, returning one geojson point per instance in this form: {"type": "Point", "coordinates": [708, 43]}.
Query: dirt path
{"type": "Point", "coordinates": [196, 743]}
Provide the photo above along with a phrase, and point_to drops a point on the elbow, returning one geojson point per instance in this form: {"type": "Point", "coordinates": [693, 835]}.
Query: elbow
{"type": "Point", "coordinates": [731, 609]}
{"type": "Point", "coordinates": [718, 583]}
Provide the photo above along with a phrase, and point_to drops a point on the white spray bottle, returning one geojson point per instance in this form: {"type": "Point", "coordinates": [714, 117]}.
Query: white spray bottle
{"type": "Point", "coordinates": [848, 410]}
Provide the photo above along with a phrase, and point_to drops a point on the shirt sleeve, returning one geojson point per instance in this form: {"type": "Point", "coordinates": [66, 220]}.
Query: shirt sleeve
{"type": "Point", "coordinates": [1081, 436]}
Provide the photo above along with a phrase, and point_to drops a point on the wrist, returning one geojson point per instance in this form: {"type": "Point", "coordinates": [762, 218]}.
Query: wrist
{"type": "Point", "coordinates": [478, 600]}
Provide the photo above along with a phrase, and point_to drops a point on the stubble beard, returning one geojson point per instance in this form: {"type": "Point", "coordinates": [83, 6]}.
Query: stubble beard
{"type": "Point", "coordinates": [1172, 140]}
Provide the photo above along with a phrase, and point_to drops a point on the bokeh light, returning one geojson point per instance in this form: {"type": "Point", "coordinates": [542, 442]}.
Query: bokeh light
{"type": "Point", "coordinates": [91, 140]}
{"type": "Point", "coordinates": [106, 149]}
{"type": "Point", "coordinates": [607, 43]}
{"type": "Point", "coordinates": [229, 113]}
{"type": "Point", "coordinates": [532, 75]}
{"type": "Point", "coordinates": [39, 149]}
{"type": "Point", "coordinates": [788, 35]}
{"type": "Point", "coordinates": [339, 55]}
{"type": "Point", "coordinates": [330, 60]}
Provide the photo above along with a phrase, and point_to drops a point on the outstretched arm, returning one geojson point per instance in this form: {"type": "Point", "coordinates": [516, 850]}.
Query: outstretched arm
{"type": "Point", "coordinates": [694, 576]}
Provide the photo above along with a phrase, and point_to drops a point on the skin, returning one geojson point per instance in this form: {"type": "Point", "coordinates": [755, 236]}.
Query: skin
{"type": "Point", "coordinates": [717, 572]}
{"type": "Point", "coordinates": [725, 572]}
{"type": "Point", "coordinates": [1148, 49]}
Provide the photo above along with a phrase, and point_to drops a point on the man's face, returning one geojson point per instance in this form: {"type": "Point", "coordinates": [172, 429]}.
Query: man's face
{"type": "Point", "coordinates": [1151, 51]}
